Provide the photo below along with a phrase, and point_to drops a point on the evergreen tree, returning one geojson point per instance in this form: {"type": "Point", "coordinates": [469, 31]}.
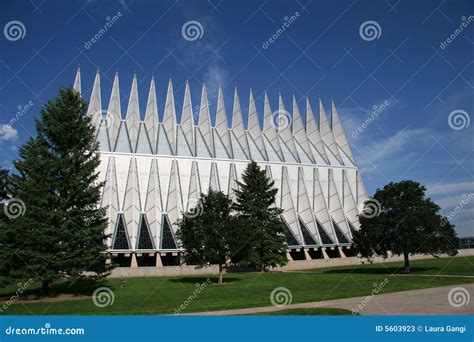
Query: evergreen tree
{"type": "Point", "coordinates": [61, 231]}
{"type": "Point", "coordinates": [407, 223]}
{"type": "Point", "coordinates": [260, 228]}
{"type": "Point", "coordinates": [205, 231]}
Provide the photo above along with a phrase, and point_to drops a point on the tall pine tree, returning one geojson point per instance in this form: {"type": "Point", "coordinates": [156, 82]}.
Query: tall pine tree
{"type": "Point", "coordinates": [61, 231]}
{"type": "Point", "coordinates": [263, 244]}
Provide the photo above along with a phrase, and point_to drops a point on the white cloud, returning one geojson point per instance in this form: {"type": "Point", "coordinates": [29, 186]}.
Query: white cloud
{"type": "Point", "coordinates": [447, 188]}
{"type": "Point", "coordinates": [8, 133]}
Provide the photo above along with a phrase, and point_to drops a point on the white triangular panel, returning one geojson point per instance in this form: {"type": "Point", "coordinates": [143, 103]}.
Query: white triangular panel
{"type": "Point", "coordinates": [221, 151]}
{"type": "Point", "coordinates": [110, 197]}
{"type": "Point", "coordinates": [335, 207]}
{"type": "Point", "coordinates": [232, 182]}
{"type": "Point", "coordinates": [284, 131]}
{"type": "Point", "coordinates": [223, 175]}
{"type": "Point", "coordinates": [289, 212]}
{"type": "Point", "coordinates": [169, 120]}
{"type": "Point", "coordinates": [143, 170]}
{"type": "Point", "coordinates": [114, 113]}
{"type": "Point", "coordinates": [77, 81]}
{"type": "Point", "coordinates": [184, 167]}
{"type": "Point", "coordinates": [123, 142]}
{"type": "Point", "coordinates": [304, 209]}
{"type": "Point", "coordinates": [239, 138]}
{"type": "Point", "coordinates": [326, 133]}
{"type": "Point", "coordinates": [222, 128]}
{"type": "Point", "coordinates": [132, 118]}
{"type": "Point", "coordinates": [204, 126]}
{"type": "Point", "coordinates": [131, 203]}
{"type": "Point", "coordinates": [276, 172]}
{"type": "Point", "coordinates": [153, 203]}
{"type": "Point", "coordinates": [320, 208]}
{"type": "Point", "coordinates": [255, 152]}
{"type": "Point", "coordinates": [94, 109]}
{"type": "Point", "coordinates": [237, 149]}
{"type": "Point", "coordinates": [272, 143]}
{"type": "Point", "coordinates": [312, 132]}
{"type": "Point", "coordinates": [214, 183]}
{"type": "Point", "coordinates": [194, 190]}
{"type": "Point", "coordinates": [340, 135]}
{"type": "Point", "coordinates": [143, 143]}
{"type": "Point", "coordinates": [361, 193]}
{"type": "Point", "coordinates": [287, 154]}
{"type": "Point", "coordinates": [174, 204]}
{"type": "Point", "coordinates": [164, 168]}
{"type": "Point", "coordinates": [151, 116]}
{"type": "Point", "coordinates": [102, 169]}
{"type": "Point", "coordinates": [256, 145]}
{"type": "Point", "coordinates": [103, 136]}
{"type": "Point", "coordinates": [187, 120]}
{"type": "Point", "coordinates": [349, 204]}
{"type": "Point", "coordinates": [299, 134]}
{"type": "Point", "coordinates": [122, 166]}
{"type": "Point", "coordinates": [164, 146]}
{"type": "Point", "coordinates": [202, 150]}
{"type": "Point", "coordinates": [204, 171]}
{"type": "Point", "coordinates": [182, 146]}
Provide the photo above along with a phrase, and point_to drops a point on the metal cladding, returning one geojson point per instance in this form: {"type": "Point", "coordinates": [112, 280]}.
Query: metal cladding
{"type": "Point", "coordinates": [153, 171]}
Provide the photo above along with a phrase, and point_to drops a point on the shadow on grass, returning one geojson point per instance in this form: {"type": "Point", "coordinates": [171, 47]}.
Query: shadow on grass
{"type": "Point", "coordinates": [380, 270]}
{"type": "Point", "coordinates": [200, 280]}
{"type": "Point", "coordinates": [84, 287]}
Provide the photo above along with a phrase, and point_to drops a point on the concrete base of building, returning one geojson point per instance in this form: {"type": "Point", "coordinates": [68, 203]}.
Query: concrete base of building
{"type": "Point", "coordinates": [293, 265]}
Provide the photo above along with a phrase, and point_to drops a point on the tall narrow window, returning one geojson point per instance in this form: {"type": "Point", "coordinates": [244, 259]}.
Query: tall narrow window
{"type": "Point", "coordinates": [121, 240]}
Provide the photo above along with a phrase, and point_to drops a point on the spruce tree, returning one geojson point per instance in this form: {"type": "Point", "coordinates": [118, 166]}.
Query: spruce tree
{"type": "Point", "coordinates": [260, 228]}
{"type": "Point", "coordinates": [61, 232]}
{"type": "Point", "coordinates": [206, 231]}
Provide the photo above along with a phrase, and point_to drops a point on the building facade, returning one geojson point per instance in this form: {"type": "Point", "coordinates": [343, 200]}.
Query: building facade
{"type": "Point", "coordinates": [153, 171]}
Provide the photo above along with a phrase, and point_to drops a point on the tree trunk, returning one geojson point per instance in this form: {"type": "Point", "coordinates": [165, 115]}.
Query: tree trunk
{"type": "Point", "coordinates": [220, 274]}
{"type": "Point", "coordinates": [407, 262]}
{"type": "Point", "coordinates": [46, 286]}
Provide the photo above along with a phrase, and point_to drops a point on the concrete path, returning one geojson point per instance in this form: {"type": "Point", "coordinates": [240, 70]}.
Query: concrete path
{"type": "Point", "coordinates": [432, 301]}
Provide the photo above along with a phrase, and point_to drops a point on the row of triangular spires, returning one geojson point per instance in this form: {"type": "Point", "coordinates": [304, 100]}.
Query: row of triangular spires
{"type": "Point", "coordinates": [146, 196]}
{"type": "Point", "coordinates": [285, 137]}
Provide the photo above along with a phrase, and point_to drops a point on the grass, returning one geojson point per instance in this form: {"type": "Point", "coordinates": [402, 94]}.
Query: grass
{"type": "Point", "coordinates": [162, 295]}
{"type": "Point", "coordinates": [307, 312]}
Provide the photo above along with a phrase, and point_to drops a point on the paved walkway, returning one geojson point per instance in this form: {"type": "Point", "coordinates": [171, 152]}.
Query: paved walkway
{"type": "Point", "coordinates": [432, 301]}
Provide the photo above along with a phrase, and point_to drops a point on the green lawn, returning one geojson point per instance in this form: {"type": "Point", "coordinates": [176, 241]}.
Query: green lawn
{"type": "Point", "coordinates": [145, 296]}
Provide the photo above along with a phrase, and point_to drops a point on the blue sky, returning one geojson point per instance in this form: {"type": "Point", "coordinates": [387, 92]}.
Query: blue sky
{"type": "Point", "coordinates": [407, 72]}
